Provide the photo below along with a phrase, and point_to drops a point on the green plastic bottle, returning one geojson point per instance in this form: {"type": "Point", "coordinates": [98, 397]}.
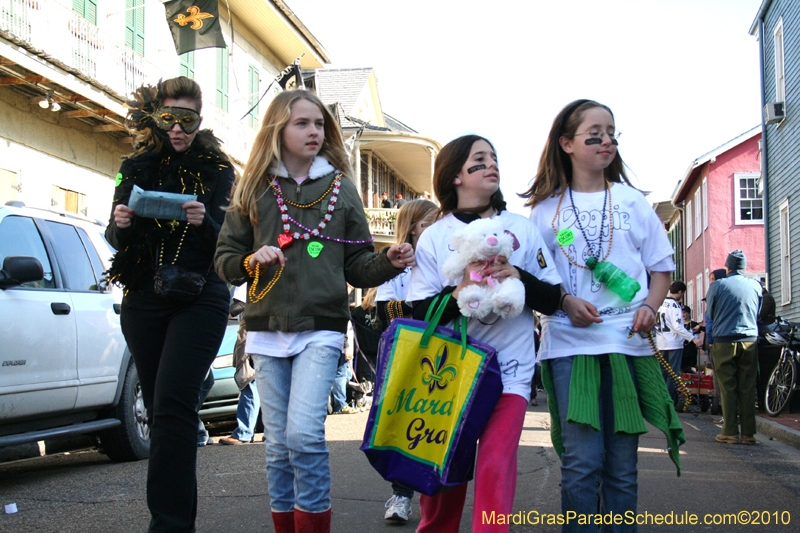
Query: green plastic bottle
{"type": "Point", "coordinates": [615, 279]}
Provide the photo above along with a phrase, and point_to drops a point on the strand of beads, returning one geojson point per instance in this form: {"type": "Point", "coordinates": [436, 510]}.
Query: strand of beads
{"type": "Point", "coordinates": [679, 384]}
{"type": "Point", "coordinates": [255, 273]}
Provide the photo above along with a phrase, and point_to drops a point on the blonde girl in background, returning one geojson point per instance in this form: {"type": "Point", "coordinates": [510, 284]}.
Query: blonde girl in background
{"type": "Point", "coordinates": [599, 381]}
{"type": "Point", "coordinates": [297, 234]}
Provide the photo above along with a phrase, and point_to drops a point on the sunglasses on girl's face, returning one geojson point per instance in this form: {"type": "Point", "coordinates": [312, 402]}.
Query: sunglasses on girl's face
{"type": "Point", "coordinates": [188, 119]}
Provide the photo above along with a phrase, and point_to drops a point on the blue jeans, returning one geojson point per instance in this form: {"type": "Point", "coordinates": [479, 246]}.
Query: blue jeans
{"type": "Point", "coordinates": [294, 398]}
{"type": "Point", "coordinates": [674, 358]}
{"type": "Point", "coordinates": [343, 375]}
{"type": "Point", "coordinates": [598, 468]}
{"type": "Point", "coordinates": [246, 413]}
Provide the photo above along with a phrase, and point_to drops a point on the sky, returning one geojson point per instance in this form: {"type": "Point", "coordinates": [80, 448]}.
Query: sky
{"type": "Point", "coordinates": [681, 76]}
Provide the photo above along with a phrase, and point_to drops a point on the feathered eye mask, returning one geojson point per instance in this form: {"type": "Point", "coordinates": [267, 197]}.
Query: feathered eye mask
{"type": "Point", "coordinates": [188, 119]}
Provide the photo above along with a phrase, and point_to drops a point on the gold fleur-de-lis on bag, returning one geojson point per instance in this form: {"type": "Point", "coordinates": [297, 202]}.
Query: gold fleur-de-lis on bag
{"type": "Point", "coordinates": [195, 18]}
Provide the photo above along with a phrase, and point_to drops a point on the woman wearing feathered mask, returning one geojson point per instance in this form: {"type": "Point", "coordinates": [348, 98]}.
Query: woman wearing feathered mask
{"type": "Point", "coordinates": [175, 307]}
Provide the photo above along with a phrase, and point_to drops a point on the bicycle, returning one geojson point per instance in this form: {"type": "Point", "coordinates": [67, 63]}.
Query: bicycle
{"type": "Point", "coordinates": [783, 379]}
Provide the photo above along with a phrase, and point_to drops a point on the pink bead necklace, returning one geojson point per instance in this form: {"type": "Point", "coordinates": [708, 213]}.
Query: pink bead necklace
{"type": "Point", "coordinates": [287, 237]}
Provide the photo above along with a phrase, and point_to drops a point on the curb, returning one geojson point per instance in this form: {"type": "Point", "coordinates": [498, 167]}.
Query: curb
{"type": "Point", "coordinates": [778, 431]}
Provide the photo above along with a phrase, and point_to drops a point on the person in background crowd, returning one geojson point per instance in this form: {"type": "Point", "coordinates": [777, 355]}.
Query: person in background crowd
{"type": "Point", "coordinates": [173, 335]}
{"type": "Point", "coordinates": [385, 202]}
{"type": "Point", "coordinates": [733, 304]}
{"type": "Point", "coordinates": [671, 334]}
{"type": "Point", "coordinates": [399, 201]}
{"type": "Point", "coordinates": [690, 348]}
{"type": "Point", "coordinates": [248, 405]}
{"type": "Point", "coordinates": [298, 258]}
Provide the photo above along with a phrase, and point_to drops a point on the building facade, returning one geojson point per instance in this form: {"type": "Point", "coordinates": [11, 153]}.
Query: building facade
{"type": "Point", "coordinates": [387, 155]}
{"type": "Point", "coordinates": [721, 210]}
{"type": "Point", "coordinates": [66, 67]}
{"type": "Point", "coordinates": [776, 27]}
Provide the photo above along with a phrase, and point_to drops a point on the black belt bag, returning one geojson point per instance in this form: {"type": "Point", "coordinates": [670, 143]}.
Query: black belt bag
{"type": "Point", "coordinates": [176, 283]}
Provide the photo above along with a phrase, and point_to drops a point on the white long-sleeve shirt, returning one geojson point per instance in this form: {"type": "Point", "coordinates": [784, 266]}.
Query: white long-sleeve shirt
{"type": "Point", "coordinates": [670, 331]}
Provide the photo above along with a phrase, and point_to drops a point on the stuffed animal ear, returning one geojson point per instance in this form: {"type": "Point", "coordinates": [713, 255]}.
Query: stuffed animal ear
{"type": "Point", "coordinates": [506, 244]}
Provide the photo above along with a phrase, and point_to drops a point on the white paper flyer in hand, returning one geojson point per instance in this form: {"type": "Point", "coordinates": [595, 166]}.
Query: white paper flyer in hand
{"type": "Point", "coordinates": [157, 204]}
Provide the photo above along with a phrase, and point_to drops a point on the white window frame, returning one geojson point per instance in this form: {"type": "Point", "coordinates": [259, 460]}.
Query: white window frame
{"type": "Point", "coordinates": [689, 291]}
{"type": "Point", "coordinates": [705, 204]}
{"type": "Point", "coordinates": [698, 222]}
{"type": "Point", "coordinates": [706, 279]}
{"type": "Point", "coordinates": [780, 71]}
{"type": "Point", "coordinates": [786, 253]}
{"type": "Point", "coordinates": [737, 200]}
{"type": "Point", "coordinates": [699, 294]}
{"type": "Point", "coordinates": [688, 216]}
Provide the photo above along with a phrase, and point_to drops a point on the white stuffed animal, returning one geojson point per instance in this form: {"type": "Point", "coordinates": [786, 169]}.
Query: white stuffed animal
{"type": "Point", "coordinates": [483, 240]}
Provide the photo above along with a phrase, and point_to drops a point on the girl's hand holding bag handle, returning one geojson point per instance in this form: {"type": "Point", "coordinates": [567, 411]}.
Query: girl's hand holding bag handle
{"type": "Point", "coordinates": [434, 392]}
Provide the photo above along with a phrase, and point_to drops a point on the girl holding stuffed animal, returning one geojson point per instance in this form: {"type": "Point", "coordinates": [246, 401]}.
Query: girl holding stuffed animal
{"type": "Point", "coordinates": [467, 184]}
{"type": "Point", "coordinates": [599, 371]}
{"type": "Point", "coordinates": [297, 234]}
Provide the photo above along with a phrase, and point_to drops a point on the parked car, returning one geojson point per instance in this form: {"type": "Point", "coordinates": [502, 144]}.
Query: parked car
{"type": "Point", "coordinates": [64, 366]}
{"type": "Point", "coordinates": [223, 398]}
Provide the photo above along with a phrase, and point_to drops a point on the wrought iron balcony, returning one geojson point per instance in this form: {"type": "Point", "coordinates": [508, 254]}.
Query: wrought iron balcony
{"type": "Point", "coordinates": [52, 30]}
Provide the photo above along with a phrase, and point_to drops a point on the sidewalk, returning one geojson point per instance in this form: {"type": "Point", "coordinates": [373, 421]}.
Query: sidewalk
{"type": "Point", "coordinates": [784, 427]}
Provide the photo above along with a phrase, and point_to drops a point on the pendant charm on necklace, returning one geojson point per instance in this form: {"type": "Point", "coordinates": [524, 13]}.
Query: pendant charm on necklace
{"type": "Point", "coordinates": [285, 240]}
{"type": "Point", "coordinates": [173, 225]}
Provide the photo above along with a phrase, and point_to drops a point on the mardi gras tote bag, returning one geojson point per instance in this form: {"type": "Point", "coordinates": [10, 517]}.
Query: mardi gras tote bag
{"type": "Point", "coordinates": [434, 392]}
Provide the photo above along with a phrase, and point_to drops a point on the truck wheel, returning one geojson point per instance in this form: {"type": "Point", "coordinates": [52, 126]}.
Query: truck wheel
{"type": "Point", "coordinates": [131, 440]}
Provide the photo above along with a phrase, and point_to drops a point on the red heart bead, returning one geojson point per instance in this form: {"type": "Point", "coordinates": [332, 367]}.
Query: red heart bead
{"type": "Point", "coordinates": [284, 240]}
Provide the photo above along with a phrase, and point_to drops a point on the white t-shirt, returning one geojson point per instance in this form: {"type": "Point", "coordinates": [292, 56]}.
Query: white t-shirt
{"type": "Point", "coordinates": [396, 288]}
{"type": "Point", "coordinates": [512, 338]}
{"type": "Point", "coordinates": [670, 331]}
{"type": "Point", "coordinates": [640, 245]}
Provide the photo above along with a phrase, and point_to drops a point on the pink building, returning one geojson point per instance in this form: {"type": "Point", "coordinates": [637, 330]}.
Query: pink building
{"type": "Point", "coordinates": [722, 210]}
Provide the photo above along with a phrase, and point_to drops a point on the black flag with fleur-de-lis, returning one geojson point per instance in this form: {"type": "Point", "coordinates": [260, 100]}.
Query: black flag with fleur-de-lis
{"type": "Point", "coordinates": [194, 24]}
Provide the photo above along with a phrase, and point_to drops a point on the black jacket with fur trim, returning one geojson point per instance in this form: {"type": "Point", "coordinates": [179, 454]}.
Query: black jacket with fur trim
{"type": "Point", "coordinates": [202, 169]}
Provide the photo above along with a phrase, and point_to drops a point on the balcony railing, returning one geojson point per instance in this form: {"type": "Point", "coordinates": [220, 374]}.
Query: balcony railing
{"type": "Point", "coordinates": [70, 40]}
{"type": "Point", "coordinates": [381, 221]}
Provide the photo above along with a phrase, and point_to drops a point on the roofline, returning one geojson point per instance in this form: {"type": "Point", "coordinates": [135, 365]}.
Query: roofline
{"type": "Point", "coordinates": [287, 11]}
{"type": "Point", "coordinates": [705, 158]}
{"type": "Point", "coordinates": [762, 11]}
{"type": "Point", "coordinates": [372, 135]}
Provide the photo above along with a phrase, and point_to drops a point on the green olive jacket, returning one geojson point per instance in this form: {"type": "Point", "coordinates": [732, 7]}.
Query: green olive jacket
{"type": "Point", "coordinates": [311, 293]}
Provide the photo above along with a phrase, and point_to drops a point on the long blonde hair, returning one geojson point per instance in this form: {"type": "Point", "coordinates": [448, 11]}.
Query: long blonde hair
{"type": "Point", "coordinates": [266, 152]}
{"type": "Point", "coordinates": [555, 166]}
{"type": "Point", "coordinates": [407, 217]}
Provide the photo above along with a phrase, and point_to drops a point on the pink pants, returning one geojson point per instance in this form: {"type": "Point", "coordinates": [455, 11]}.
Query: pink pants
{"type": "Point", "coordinates": [495, 475]}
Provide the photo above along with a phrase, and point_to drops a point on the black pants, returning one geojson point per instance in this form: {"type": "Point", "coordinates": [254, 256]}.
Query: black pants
{"type": "Point", "coordinates": [173, 346]}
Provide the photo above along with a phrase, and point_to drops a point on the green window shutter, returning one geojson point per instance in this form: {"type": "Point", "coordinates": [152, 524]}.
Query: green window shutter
{"type": "Point", "coordinates": [87, 9]}
{"type": "Point", "coordinates": [130, 25]}
{"type": "Point", "coordinates": [134, 25]}
{"type": "Point", "coordinates": [187, 64]}
{"type": "Point", "coordinates": [253, 83]}
{"type": "Point", "coordinates": [222, 79]}
{"type": "Point", "coordinates": [91, 11]}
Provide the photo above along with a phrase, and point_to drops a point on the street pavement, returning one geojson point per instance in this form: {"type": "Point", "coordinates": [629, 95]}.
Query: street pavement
{"type": "Point", "coordinates": [84, 492]}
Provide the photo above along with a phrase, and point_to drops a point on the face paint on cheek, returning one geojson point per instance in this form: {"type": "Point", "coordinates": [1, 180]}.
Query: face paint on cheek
{"type": "Point", "coordinates": [614, 142]}
{"type": "Point", "coordinates": [593, 140]}
{"type": "Point", "coordinates": [476, 168]}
